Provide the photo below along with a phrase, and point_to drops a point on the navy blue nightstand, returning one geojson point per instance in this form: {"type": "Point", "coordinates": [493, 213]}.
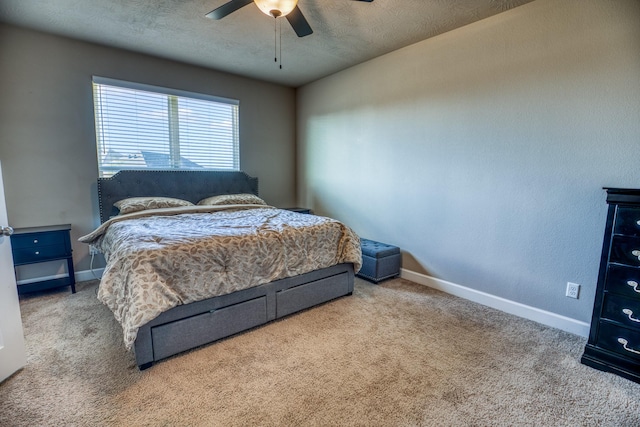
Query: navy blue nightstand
{"type": "Point", "coordinates": [300, 210]}
{"type": "Point", "coordinates": [41, 244]}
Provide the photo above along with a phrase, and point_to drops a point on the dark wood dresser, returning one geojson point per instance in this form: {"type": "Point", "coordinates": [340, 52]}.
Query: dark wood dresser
{"type": "Point", "coordinates": [614, 338]}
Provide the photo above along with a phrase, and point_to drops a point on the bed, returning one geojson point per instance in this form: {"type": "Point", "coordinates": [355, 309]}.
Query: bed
{"type": "Point", "coordinates": [202, 300]}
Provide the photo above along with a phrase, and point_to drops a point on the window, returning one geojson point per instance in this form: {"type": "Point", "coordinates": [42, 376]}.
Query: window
{"type": "Point", "coordinates": [148, 127]}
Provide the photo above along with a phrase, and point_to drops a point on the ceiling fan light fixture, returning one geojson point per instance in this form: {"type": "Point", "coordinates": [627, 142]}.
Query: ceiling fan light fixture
{"type": "Point", "coordinates": [276, 8]}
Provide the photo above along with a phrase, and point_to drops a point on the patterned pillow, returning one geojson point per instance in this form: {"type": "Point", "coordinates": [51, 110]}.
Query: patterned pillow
{"type": "Point", "coordinates": [135, 204]}
{"type": "Point", "coordinates": [233, 199]}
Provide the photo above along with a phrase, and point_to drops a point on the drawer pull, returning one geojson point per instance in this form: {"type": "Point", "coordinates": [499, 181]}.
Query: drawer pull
{"type": "Point", "coordinates": [37, 252]}
{"type": "Point", "coordinates": [636, 253]}
{"type": "Point", "coordinates": [629, 313]}
{"type": "Point", "coordinates": [35, 241]}
{"type": "Point", "coordinates": [624, 345]}
{"type": "Point", "coordinates": [634, 285]}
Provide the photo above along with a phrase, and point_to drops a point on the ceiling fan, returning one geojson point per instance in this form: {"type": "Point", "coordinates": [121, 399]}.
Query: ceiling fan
{"type": "Point", "coordinates": [274, 8]}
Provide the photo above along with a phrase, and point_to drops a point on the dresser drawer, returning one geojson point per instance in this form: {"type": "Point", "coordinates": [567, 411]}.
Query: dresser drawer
{"type": "Point", "coordinates": [39, 254]}
{"type": "Point", "coordinates": [33, 240]}
{"type": "Point", "coordinates": [622, 310]}
{"type": "Point", "coordinates": [623, 280]}
{"type": "Point", "coordinates": [625, 250]}
{"type": "Point", "coordinates": [619, 340]}
{"type": "Point", "coordinates": [627, 221]}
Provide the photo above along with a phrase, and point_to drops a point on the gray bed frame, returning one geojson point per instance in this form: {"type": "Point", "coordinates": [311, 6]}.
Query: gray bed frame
{"type": "Point", "coordinates": [192, 325]}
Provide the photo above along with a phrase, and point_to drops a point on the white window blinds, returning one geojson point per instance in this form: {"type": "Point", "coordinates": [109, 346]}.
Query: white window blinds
{"type": "Point", "coordinates": [148, 127]}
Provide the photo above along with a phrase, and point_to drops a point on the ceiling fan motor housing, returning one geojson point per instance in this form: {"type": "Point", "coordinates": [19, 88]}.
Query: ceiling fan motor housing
{"type": "Point", "coordinates": [276, 8]}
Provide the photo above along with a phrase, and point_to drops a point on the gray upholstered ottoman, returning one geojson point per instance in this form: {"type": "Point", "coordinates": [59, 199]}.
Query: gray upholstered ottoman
{"type": "Point", "coordinates": [379, 261]}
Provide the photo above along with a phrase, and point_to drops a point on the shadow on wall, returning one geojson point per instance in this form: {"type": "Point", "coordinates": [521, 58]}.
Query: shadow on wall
{"type": "Point", "coordinates": [409, 262]}
{"type": "Point", "coordinates": [412, 264]}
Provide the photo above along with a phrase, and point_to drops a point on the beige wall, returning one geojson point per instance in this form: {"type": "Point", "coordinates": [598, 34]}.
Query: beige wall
{"type": "Point", "coordinates": [47, 137]}
{"type": "Point", "coordinates": [482, 152]}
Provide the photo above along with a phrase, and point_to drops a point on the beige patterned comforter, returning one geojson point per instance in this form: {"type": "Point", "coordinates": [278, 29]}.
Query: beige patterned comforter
{"type": "Point", "coordinates": [162, 258]}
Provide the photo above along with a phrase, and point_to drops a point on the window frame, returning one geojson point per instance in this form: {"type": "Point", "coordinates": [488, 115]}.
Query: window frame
{"type": "Point", "coordinates": [173, 95]}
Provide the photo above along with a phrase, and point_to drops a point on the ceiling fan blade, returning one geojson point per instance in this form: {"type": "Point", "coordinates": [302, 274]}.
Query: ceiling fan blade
{"type": "Point", "coordinates": [299, 23]}
{"type": "Point", "coordinates": [227, 8]}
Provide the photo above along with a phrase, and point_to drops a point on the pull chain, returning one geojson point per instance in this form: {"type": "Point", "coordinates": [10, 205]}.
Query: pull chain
{"type": "Point", "coordinates": [280, 31]}
{"type": "Point", "coordinates": [277, 33]}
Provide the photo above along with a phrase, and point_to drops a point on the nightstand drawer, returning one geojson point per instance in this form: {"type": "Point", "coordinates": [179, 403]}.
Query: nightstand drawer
{"type": "Point", "coordinates": [39, 254]}
{"type": "Point", "coordinates": [622, 310]}
{"type": "Point", "coordinates": [625, 250]}
{"type": "Point", "coordinates": [623, 280]}
{"type": "Point", "coordinates": [619, 340]}
{"type": "Point", "coordinates": [627, 221]}
{"type": "Point", "coordinates": [34, 240]}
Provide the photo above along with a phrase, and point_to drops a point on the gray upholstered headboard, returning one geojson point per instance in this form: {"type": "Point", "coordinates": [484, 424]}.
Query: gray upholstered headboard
{"type": "Point", "coordinates": [187, 185]}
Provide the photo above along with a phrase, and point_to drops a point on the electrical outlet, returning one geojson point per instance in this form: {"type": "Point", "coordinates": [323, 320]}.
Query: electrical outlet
{"type": "Point", "coordinates": [93, 251]}
{"type": "Point", "coordinates": [573, 290]}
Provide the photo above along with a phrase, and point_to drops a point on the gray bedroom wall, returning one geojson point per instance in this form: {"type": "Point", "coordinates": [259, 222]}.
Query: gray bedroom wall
{"type": "Point", "coordinates": [482, 153]}
{"type": "Point", "coordinates": [47, 137]}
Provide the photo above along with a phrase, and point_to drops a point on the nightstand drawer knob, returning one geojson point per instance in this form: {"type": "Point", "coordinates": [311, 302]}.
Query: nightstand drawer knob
{"type": "Point", "coordinates": [35, 241]}
{"type": "Point", "coordinates": [636, 253]}
{"type": "Point", "coordinates": [634, 285]}
{"type": "Point", "coordinates": [629, 313]}
{"type": "Point", "coordinates": [624, 343]}
{"type": "Point", "coordinates": [37, 253]}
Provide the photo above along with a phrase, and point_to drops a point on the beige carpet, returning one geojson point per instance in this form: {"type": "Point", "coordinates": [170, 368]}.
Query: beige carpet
{"type": "Point", "coordinates": [396, 354]}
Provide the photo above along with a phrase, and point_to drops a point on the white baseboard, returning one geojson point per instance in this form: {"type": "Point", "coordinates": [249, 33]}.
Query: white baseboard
{"type": "Point", "coordinates": [83, 276]}
{"type": "Point", "coordinates": [537, 315]}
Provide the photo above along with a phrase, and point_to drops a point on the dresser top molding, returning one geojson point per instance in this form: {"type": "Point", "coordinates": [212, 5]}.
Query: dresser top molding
{"type": "Point", "coordinates": [45, 228]}
{"type": "Point", "coordinates": [622, 195]}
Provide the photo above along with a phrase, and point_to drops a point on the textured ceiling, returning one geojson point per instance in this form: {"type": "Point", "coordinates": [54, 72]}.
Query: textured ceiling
{"type": "Point", "coordinates": [346, 32]}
